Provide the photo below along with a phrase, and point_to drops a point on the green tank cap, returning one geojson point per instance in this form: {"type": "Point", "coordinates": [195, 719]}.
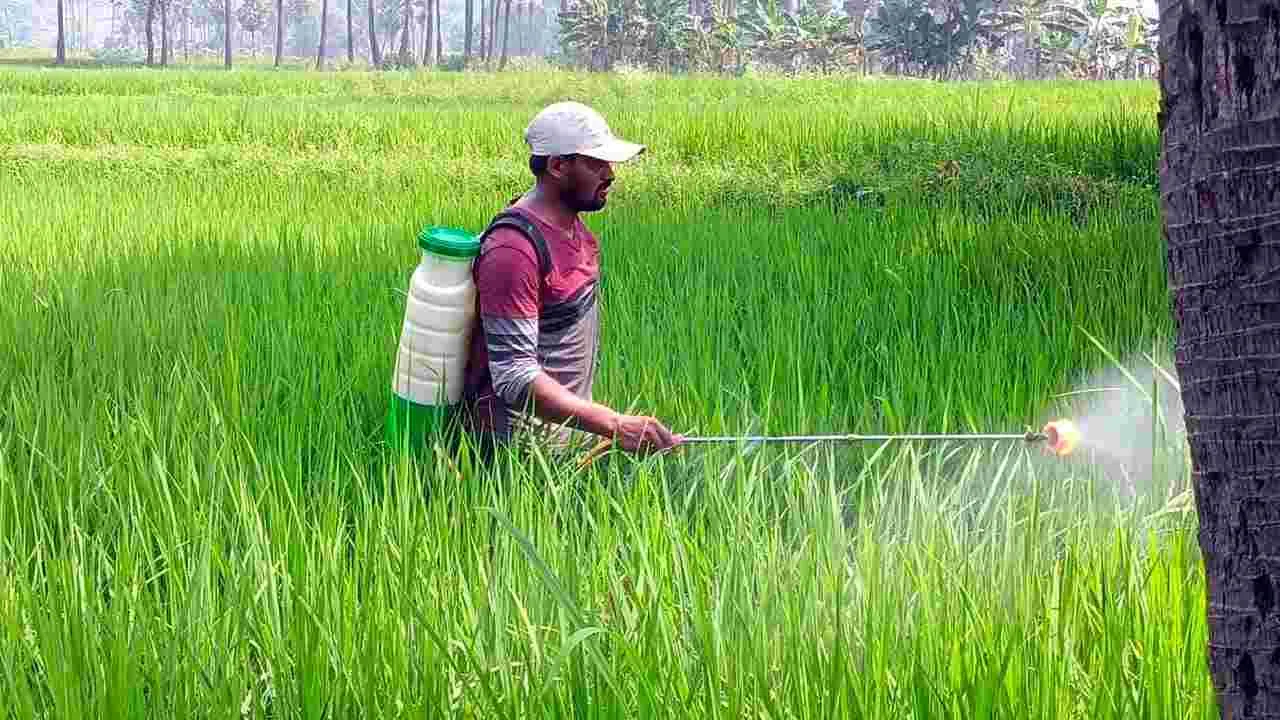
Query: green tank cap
{"type": "Point", "coordinates": [449, 242]}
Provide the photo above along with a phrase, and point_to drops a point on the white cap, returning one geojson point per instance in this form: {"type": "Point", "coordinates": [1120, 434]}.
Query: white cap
{"type": "Point", "coordinates": [569, 128]}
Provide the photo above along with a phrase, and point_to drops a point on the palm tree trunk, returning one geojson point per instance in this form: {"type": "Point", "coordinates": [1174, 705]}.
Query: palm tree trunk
{"type": "Point", "coordinates": [324, 26]}
{"type": "Point", "coordinates": [469, 14]}
{"type": "Point", "coordinates": [351, 40]}
{"type": "Point", "coordinates": [495, 10]}
{"type": "Point", "coordinates": [439, 34]}
{"type": "Point", "coordinates": [1220, 200]}
{"type": "Point", "coordinates": [428, 35]}
{"type": "Point", "coordinates": [506, 35]}
{"type": "Point", "coordinates": [481, 52]}
{"type": "Point", "coordinates": [279, 31]}
{"type": "Point", "coordinates": [151, 43]}
{"type": "Point", "coordinates": [374, 56]}
{"type": "Point", "coordinates": [164, 33]}
{"type": "Point", "coordinates": [406, 46]}
{"type": "Point", "coordinates": [226, 36]}
{"type": "Point", "coordinates": [61, 57]}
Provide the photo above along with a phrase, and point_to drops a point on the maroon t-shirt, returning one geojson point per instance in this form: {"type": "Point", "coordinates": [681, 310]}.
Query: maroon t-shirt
{"type": "Point", "coordinates": [526, 326]}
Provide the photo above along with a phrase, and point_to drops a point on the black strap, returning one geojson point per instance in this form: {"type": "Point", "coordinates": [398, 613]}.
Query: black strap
{"type": "Point", "coordinates": [513, 219]}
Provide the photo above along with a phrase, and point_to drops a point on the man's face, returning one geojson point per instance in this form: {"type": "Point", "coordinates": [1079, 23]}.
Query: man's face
{"type": "Point", "coordinates": [584, 182]}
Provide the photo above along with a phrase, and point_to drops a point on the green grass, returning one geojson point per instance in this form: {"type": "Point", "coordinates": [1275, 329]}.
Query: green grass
{"type": "Point", "coordinates": [198, 518]}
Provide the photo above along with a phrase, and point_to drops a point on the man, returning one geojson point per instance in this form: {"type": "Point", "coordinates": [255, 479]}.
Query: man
{"type": "Point", "coordinates": [533, 352]}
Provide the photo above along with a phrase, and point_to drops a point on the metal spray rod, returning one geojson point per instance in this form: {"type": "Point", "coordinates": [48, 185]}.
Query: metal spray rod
{"type": "Point", "coordinates": [849, 437]}
{"type": "Point", "coordinates": [1061, 436]}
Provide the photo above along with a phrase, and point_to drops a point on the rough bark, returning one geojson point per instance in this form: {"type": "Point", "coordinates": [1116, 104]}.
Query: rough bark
{"type": "Point", "coordinates": [1220, 196]}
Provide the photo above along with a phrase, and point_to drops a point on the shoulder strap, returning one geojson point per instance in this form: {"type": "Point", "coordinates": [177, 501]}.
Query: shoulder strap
{"type": "Point", "coordinates": [513, 219]}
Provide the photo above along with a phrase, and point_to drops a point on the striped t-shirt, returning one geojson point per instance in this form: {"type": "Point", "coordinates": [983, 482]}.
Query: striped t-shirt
{"type": "Point", "coordinates": [526, 326]}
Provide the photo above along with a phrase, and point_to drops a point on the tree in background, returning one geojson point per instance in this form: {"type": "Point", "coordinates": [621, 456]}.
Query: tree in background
{"type": "Point", "coordinates": [62, 37]}
{"type": "Point", "coordinates": [938, 39]}
{"type": "Point", "coordinates": [1219, 123]}
{"type": "Point", "coordinates": [226, 36]}
{"type": "Point", "coordinates": [279, 31]}
{"type": "Point", "coordinates": [324, 23]}
{"type": "Point", "coordinates": [252, 17]}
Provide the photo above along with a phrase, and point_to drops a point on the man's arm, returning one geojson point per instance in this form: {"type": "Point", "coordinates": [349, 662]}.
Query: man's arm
{"type": "Point", "coordinates": [554, 403]}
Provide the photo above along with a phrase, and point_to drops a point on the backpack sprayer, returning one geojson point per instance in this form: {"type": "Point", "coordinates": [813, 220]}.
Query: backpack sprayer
{"type": "Point", "coordinates": [1060, 438]}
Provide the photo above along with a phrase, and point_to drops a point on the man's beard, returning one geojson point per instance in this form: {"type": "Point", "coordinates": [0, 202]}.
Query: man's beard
{"type": "Point", "coordinates": [588, 200]}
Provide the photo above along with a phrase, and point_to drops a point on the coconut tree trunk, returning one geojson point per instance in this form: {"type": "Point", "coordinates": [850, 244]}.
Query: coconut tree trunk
{"type": "Point", "coordinates": [526, 27]}
{"type": "Point", "coordinates": [1220, 139]}
{"type": "Point", "coordinates": [61, 56]}
{"type": "Point", "coordinates": [279, 31]}
{"type": "Point", "coordinates": [374, 56]}
{"type": "Point", "coordinates": [406, 37]}
{"type": "Point", "coordinates": [506, 34]}
{"type": "Point", "coordinates": [164, 33]}
{"type": "Point", "coordinates": [495, 11]}
{"type": "Point", "coordinates": [151, 43]}
{"type": "Point", "coordinates": [324, 26]}
{"type": "Point", "coordinates": [427, 35]}
{"type": "Point", "coordinates": [226, 36]}
{"type": "Point", "coordinates": [439, 34]}
{"type": "Point", "coordinates": [469, 14]}
{"type": "Point", "coordinates": [351, 41]}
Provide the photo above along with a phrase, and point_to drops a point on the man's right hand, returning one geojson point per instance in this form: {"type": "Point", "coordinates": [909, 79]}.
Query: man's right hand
{"type": "Point", "coordinates": [641, 433]}
{"type": "Point", "coordinates": [634, 433]}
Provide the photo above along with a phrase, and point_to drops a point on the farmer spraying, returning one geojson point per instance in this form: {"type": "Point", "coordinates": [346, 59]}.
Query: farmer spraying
{"type": "Point", "coordinates": [532, 356]}
{"type": "Point", "coordinates": [513, 315]}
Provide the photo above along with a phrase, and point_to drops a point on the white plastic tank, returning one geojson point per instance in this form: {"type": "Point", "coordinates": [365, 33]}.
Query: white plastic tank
{"type": "Point", "coordinates": [440, 308]}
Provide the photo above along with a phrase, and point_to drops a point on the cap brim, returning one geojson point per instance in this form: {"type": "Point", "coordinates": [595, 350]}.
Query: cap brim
{"type": "Point", "coordinates": [614, 151]}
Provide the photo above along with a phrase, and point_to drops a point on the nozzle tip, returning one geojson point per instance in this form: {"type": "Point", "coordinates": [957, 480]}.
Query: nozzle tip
{"type": "Point", "coordinates": [1061, 436]}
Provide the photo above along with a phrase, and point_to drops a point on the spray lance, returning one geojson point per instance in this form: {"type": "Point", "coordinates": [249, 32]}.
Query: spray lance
{"type": "Point", "coordinates": [1060, 438]}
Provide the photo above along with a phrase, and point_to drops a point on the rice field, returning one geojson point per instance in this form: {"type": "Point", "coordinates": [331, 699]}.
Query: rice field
{"type": "Point", "coordinates": [198, 518]}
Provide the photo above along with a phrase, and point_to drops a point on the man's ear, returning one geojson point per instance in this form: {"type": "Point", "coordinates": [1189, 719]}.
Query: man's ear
{"type": "Point", "coordinates": [555, 166]}
{"type": "Point", "coordinates": [558, 165]}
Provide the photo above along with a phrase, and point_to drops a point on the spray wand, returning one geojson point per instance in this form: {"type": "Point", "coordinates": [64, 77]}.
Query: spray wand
{"type": "Point", "coordinates": [1060, 437]}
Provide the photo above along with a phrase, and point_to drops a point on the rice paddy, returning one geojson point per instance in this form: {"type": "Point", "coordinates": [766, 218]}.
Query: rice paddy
{"type": "Point", "coordinates": [204, 275]}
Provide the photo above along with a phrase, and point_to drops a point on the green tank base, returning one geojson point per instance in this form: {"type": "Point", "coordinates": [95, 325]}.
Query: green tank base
{"type": "Point", "coordinates": [414, 427]}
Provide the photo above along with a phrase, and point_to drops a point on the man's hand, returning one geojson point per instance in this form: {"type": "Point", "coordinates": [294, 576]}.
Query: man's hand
{"type": "Point", "coordinates": [640, 433]}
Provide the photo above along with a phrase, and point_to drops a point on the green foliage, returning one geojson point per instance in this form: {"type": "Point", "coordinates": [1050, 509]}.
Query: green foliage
{"type": "Point", "coordinates": [814, 37]}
